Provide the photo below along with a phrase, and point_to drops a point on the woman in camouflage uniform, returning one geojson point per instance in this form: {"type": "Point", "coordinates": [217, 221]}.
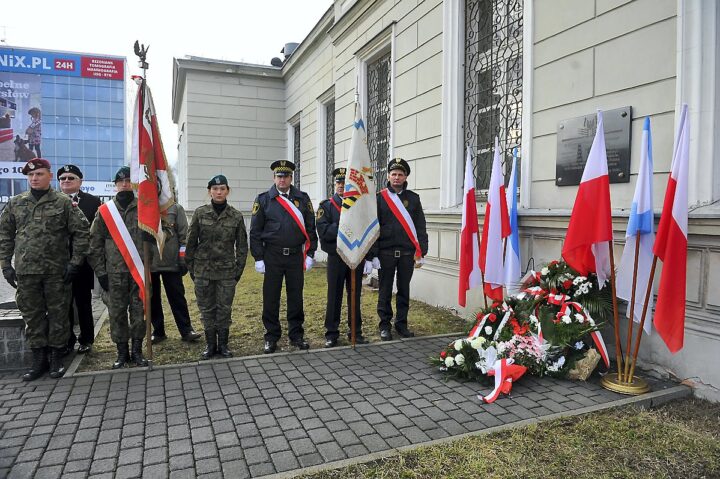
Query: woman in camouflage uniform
{"type": "Point", "coordinates": [216, 231]}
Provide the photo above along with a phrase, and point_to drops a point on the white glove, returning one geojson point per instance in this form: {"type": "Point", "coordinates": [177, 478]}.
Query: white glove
{"type": "Point", "coordinates": [419, 262]}
{"type": "Point", "coordinates": [260, 266]}
{"type": "Point", "coordinates": [309, 262]}
{"type": "Point", "coordinates": [376, 263]}
{"type": "Point", "coordinates": [368, 267]}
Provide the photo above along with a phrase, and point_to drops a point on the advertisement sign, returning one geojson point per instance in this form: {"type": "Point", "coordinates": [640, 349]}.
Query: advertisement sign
{"type": "Point", "coordinates": [60, 63]}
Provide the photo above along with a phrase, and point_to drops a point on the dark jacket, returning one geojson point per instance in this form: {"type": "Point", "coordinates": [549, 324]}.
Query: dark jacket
{"type": "Point", "coordinates": [271, 224]}
{"type": "Point", "coordinates": [175, 227]}
{"type": "Point", "coordinates": [89, 205]}
{"type": "Point", "coordinates": [327, 221]}
{"type": "Point", "coordinates": [392, 234]}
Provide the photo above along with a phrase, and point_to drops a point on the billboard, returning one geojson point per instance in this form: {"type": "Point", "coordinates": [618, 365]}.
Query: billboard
{"type": "Point", "coordinates": [63, 106]}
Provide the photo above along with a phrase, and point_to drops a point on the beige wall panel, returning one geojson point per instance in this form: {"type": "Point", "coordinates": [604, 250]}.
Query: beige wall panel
{"type": "Point", "coordinates": [271, 153]}
{"type": "Point", "coordinates": [405, 131]}
{"type": "Point", "coordinates": [565, 81]}
{"type": "Point", "coordinates": [448, 245]}
{"type": "Point", "coordinates": [652, 99]}
{"type": "Point", "coordinates": [237, 132]}
{"type": "Point", "coordinates": [631, 17]}
{"type": "Point", "coordinates": [694, 275]}
{"type": "Point", "coordinates": [545, 250]}
{"type": "Point", "coordinates": [554, 16]}
{"type": "Point", "coordinates": [419, 149]}
{"type": "Point", "coordinates": [272, 134]}
{"type": "Point", "coordinates": [543, 161]}
{"type": "Point", "coordinates": [620, 64]}
{"type": "Point", "coordinates": [713, 284]}
{"type": "Point", "coordinates": [238, 151]}
{"type": "Point", "coordinates": [431, 24]}
{"type": "Point", "coordinates": [406, 41]}
{"type": "Point", "coordinates": [241, 91]}
{"type": "Point", "coordinates": [204, 150]}
{"type": "Point", "coordinates": [418, 103]}
{"type": "Point", "coordinates": [426, 172]}
{"type": "Point", "coordinates": [602, 6]}
{"type": "Point", "coordinates": [433, 243]}
{"type": "Point", "coordinates": [544, 194]}
{"type": "Point", "coordinates": [429, 74]}
{"type": "Point", "coordinates": [405, 88]}
{"type": "Point", "coordinates": [270, 114]}
{"type": "Point", "coordinates": [429, 124]}
{"type": "Point", "coordinates": [422, 53]}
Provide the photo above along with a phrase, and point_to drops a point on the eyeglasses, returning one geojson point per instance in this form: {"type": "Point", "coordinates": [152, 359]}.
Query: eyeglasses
{"type": "Point", "coordinates": [68, 178]}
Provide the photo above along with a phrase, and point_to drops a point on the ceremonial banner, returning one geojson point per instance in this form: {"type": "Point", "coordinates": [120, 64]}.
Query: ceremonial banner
{"type": "Point", "coordinates": [359, 227]}
{"type": "Point", "coordinates": [148, 166]}
{"type": "Point", "coordinates": [671, 244]}
{"type": "Point", "coordinates": [639, 229]}
{"type": "Point", "coordinates": [587, 242]}
{"type": "Point", "coordinates": [495, 228]}
{"type": "Point", "coordinates": [470, 275]}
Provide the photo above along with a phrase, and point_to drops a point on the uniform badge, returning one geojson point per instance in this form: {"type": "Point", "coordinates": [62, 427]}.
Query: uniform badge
{"type": "Point", "coordinates": [282, 163]}
{"type": "Point", "coordinates": [31, 166]}
{"type": "Point", "coordinates": [297, 203]}
{"type": "Point", "coordinates": [256, 207]}
{"type": "Point", "coordinates": [217, 180]}
{"type": "Point", "coordinates": [320, 212]}
{"type": "Point", "coordinates": [405, 203]}
{"type": "Point", "coordinates": [309, 206]}
{"type": "Point", "coordinates": [67, 168]}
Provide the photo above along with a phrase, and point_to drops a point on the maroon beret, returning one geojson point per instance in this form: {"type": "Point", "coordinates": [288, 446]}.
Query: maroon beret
{"type": "Point", "coordinates": [34, 164]}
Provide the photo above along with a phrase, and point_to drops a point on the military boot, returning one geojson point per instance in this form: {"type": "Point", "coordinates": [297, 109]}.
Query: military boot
{"type": "Point", "coordinates": [223, 335]}
{"type": "Point", "coordinates": [123, 356]}
{"type": "Point", "coordinates": [57, 368]}
{"type": "Point", "coordinates": [136, 355]}
{"type": "Point", "coordinates": [211, 344]}
{"type": "Point", "coordinates": [39, 364]}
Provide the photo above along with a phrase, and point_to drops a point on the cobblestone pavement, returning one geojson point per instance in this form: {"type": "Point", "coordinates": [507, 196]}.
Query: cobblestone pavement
{"type": "Point", "coordinates": [255, 416]}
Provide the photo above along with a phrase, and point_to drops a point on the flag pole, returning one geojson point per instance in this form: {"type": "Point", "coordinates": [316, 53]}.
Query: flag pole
{"type": "Point", "coordinates": [618, 344]}
{"type": "Point", "coordinates": [482, 276]}
{"type": "Point", "coordinates": [648, 294]}
{"type": "Point", "coordinates": [141, 52]}
{"type": "Point", "coordinates": [353, 319]}
{"type": "Point", "coordinates": [632, 309]}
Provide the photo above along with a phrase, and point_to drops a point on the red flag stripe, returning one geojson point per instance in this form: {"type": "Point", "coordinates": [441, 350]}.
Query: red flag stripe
{"type": "Point", "coordinates": [125, 244]}
{"type": "Point", "coordinates": [402, 215]}
{"type": "Point", "coordinates": [299, 221]}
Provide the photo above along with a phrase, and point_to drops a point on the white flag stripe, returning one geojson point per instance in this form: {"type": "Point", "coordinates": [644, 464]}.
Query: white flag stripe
{"type": "Point", "coordinates": [494, 271]}
{"type": "Point", "coordinates": [127, 239]}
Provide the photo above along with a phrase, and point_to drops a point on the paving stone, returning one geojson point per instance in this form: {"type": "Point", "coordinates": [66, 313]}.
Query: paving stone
{"type": "Point", "coordinates": [256, 455]}
{"type": "Point", "coordinates": [157, 471]}
{"type": "Point", "coordinates": [283, 461]}
{"type": "Point", "coordinates": [235, 469]}
{"type": "Point", "coordinates": [182, 461]}
{"type": "Point", "coordinates": [50, 472]}
{"type": "Point", "coordinates": [128, 471]}
{"type": "Point", "coordinates": [204, 466]}
{"type": "Point", "coordinates": [205, 450]}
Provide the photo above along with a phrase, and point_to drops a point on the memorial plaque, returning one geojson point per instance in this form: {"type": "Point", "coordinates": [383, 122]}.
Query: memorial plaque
{"type": "Point", "coordinates": [575, 137]}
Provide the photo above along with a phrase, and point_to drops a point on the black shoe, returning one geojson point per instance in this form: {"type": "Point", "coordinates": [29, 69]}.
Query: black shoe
{"type": "Point", "coordinates": [157, 339]}
{"type": "Point", "coordinates": [405, 332]}
{"type": "Point", "coordinates": [359, 339]}
{"type": "Point", "coordinates": [222, 346]}
{"type": "Point", "coordinates": [123, 356]}
{"type": "Point", "coordinates": [270, 347]}
{"type": "Point", "coordinates": [300, 344]}
{"type": "Point", "coordinates": [330, 343]}
{"type": "Point", "coordinates": [57, 368]}
{"type": "Point", "coordinates": [39, 364]}
{"type": "Point", "coordinates": [385, 335]}
{"type": "Point", "coordinates": [210, 344]}
{"type": "Point", "coordinates": [84, 348]}
{"type": "Point", "coordinates": [136, 355]}
{"type": "Point", "coordinates": [191, 336]}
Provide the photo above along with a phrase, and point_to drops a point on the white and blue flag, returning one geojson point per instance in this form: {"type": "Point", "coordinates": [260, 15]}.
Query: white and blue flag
{"type": "Point", "coordinates": [640, 228]}
{"type": "Point", "coordinates": [359, 227]}
{"type": "Point", "coordinates": [512, 248]}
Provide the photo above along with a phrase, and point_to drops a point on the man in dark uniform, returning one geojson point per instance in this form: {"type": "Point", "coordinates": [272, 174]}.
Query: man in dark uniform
{"type": "Point", "coordinates": [397, 248]}
{"type": "Point", "coordinates": [70, 178]}
{"type": "Point", "coordinates": [283, 242]}
{"type": "Point", "coordinates": [37, 227]}
{"type": "Point", "coordinates": [338, 273]}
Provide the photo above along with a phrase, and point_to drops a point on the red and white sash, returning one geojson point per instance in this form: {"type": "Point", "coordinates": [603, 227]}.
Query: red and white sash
{"type": "Point", "coordinates": [299, 221]}
{"type": "Point", "coordinates": [125, 244]}
{"type": "Point", "coordinates": [402, 215]}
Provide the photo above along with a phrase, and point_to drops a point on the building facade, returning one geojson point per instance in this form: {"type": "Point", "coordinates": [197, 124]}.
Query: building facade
{"type": "Point", "coordinates": [434, 77]}
{"type": "Point", "coordinates": [78, 106]}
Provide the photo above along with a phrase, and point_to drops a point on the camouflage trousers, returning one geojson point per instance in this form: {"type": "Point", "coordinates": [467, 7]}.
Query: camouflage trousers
{"type": "Point", "coordinates": [215, 299]}
{"type": "Point", "coordinates": [123, 298]}
{"type": "Point", "coordinates": [44, 302]}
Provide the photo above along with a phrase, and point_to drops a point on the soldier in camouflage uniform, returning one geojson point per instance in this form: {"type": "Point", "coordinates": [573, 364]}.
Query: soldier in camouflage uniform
{"type": "Point", "coordinates": [37, 226]}
{"type": "Point", "coordinates": [216, 232]}
{"type": "Point", "coordinates": [114, 276]}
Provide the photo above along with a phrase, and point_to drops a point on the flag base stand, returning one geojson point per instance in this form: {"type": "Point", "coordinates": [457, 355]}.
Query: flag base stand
{"type": "Point", "coordinates": [634, 387]}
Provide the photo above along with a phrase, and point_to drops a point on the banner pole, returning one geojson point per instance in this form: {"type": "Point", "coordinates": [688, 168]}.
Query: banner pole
{"type": "Point", "coordinates": [353, 319]}
{"type": "Point", "coordinates": [648, 294]}
{"type": "Point", "coordinates": [632, 309]}
{"type": "Point", "coordinates": [618, 345]}
{"type": "Point", "coordinates": [148, 302]}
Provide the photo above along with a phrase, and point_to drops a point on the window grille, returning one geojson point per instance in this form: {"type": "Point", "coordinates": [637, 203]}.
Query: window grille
{"type": "Point", "coordinates": [378, 117]}
{"type": "Point", "coordinates": [493, 82]}
{"type": "Point", "coordinates": [330, 147]}
{"type": "Point", "coordinates": [296, 155]}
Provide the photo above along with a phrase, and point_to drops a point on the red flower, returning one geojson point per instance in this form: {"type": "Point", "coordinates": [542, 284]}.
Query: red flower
{"type": "Point", "coordinates": [443, 354]}
{"type": "Point", "coordinates": [567, 284]}
{"type": "Point", "coordinates": [518, 329]}
{"type": "Point", "coordinates": [492, 318]}
{"type": "Point", "coordinates": [553, 262]}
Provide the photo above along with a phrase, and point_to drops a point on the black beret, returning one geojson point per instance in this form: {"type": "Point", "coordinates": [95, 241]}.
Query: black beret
{"type": "Point", "coordinates": [217, 180]}
{"type": "Point", "coordinates": [122, 174]}
{"type": "Point", "coordinates": [69, 169]}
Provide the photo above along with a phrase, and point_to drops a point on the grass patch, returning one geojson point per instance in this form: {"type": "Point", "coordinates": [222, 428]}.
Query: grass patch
{"type": "Point", "coordinates": [246, 333]}
{"type": "Point", "coordinates": [678, 440]}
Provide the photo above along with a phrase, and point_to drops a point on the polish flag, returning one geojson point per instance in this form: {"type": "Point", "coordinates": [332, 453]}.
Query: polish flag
{"type": "Point", "coordinates": [495, 228]}
{"type": "Point", "coordinates": [587, 241]}
{"type": "Point", "coordinates": [671, 244]}
{"type": "Point", "coordinates": [470, 275]}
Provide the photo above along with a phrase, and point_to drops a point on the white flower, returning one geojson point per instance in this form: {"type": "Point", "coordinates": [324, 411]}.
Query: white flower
{"type": "Point", "coordinates": [477, 343]}
{"type": "Point", "coordinates": [579, 345]}
{"type": "Point", "coordinates": [458, 344]}
{"type": "Point", "coordinates": [534, 320]}
{"type": "Point", "coordinates": [579, 279]}
{"type": "Point", "coordinates": [566, 319]}
{"type": "Point", "coordinates": [544, 271]}
{"type": "Point", "coordinates": [488, 330]}
{"type": "Point", "coordinates": [557, 365]}
{"type": "Point", "coordinates": [580, 318]}
{"type": "Point", "coordinates": [449, 361]}
{"type": "Point", "coordinates": [460, 359]}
